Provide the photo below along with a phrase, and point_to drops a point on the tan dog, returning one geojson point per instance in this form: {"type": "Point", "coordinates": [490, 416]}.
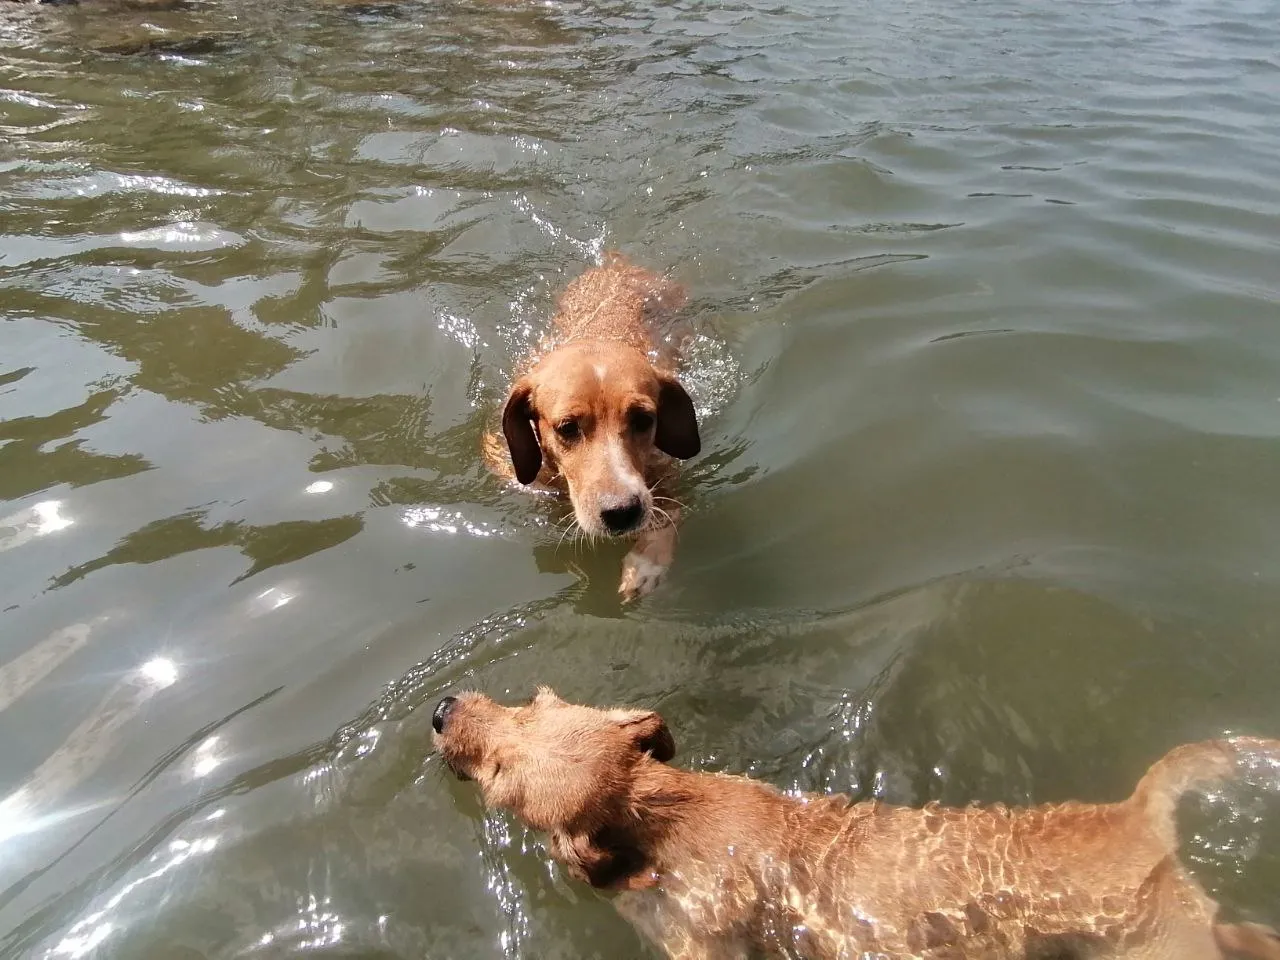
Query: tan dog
{"type": "Point", "coordinates": [599, 414]}
{"type": "Point", "coordinates": [726, 867]}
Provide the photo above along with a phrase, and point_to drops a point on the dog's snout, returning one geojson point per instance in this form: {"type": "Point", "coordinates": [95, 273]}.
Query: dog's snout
{"type": "Point", "coordinates": [441, 713]}
{"type": "Point", "coordinates": [621, 514]}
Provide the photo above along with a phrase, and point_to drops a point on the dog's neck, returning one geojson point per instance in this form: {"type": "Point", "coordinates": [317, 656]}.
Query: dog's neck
{"type": "Point", "coordinates": [682, 825]}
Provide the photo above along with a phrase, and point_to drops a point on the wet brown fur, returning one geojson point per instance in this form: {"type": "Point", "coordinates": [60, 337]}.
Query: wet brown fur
{"type": "Point", "coordinates": [713, 866]}
{"type": "Point", "coordinates": [606, 370]}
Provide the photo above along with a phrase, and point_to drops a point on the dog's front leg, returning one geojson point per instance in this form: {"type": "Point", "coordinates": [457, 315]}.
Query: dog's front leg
{"type": "Point", "coordinates": [647, 563]}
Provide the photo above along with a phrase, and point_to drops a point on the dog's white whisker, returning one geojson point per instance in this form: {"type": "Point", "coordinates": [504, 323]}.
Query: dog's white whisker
{"type": "Point", "coordinates": [564, 533]}
{"type": "Point", "coordinates": [659, 520]}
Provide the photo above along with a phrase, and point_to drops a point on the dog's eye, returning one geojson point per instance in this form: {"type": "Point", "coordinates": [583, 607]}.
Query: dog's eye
{"type": "Point", "coordinates": [568, 430]}
{"type": "Point", "coordinates": [641, 420]}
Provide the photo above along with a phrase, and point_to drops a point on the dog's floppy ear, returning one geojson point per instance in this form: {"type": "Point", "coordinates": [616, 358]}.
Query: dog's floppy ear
{"type": "Point", "coordinates": [649, 733]}
{"type": "Point", "coordinates": [517, 427]}
{"type": "Point", "coordinates": [677, 432]}
{"type": "Point", "coordinates": [606, 859]}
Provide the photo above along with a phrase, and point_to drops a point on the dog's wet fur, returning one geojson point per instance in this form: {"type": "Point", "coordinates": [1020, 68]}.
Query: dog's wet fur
{"type": "Point", "coordinates": [714, 866]}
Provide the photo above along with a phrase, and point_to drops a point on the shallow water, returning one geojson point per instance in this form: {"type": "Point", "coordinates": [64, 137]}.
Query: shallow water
{"type": "Point", "coordinates": [989, 364]}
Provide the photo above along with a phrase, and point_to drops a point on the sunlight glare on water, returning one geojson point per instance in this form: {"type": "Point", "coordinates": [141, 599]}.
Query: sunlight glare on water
{"type": "Point", "coordinates": [982, 331]}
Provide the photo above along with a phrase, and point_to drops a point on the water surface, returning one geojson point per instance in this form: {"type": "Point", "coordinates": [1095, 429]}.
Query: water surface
{"type": "Point", "coordinates": [989, 367]}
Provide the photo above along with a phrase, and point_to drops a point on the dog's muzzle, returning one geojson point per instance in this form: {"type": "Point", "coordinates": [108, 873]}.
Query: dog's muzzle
{"type": "Point", "coordinates": [441, 713]}
{"type": "Point", "coordinates": [439, 717]}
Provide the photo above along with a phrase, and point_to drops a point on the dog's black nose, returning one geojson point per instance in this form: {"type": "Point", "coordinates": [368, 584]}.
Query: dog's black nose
{"type": "Point", "coordinates": [442, 711]}
{"type": "Point", "coordinates": [622, 515]}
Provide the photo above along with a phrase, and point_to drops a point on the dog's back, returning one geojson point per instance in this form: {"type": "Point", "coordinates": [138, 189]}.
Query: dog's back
{"type": "Point", "coordinates": [1074, 880]}
{"type": "Point", "coordinates": [616, 301]}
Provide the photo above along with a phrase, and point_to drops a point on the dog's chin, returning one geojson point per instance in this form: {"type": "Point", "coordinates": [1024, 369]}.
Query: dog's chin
{"type": "Point", "coordinates": [598, 531]}
{"type": "Point", "coordinates": [456, 770]}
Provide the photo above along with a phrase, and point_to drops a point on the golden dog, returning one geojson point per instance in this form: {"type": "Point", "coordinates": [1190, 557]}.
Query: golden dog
{"type": "Point", "coordinates": [600, 415]}
{"type": "Point", "coordinates": [713, 866]}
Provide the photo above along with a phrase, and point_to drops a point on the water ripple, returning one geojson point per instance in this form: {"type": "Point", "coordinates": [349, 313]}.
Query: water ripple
{"type": "Point", "coordinates": [984, 335]}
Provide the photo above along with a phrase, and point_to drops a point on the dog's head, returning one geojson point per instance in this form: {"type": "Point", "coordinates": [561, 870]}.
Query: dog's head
{"type": "Point", "coordinates": [599, 412]}
{"type": "Point", "coordinates": [567, 769]}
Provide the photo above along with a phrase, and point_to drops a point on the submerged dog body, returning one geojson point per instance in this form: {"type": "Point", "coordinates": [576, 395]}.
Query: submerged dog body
{"type": "Point", "coordinates": [600, 415]}
{"type": "Point", "coordinates": [714, 866]}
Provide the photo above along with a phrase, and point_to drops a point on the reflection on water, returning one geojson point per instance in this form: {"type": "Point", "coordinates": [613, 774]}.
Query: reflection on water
{"type": "Point", "coordinates": [90, 743]}
{"type": "Point", "coordinates": [40, 520]}
{"type": "Point", "coordinates": [34, 664]}
{"type": "Point", "coordinates": [264, 272]}
{"type": "Point", "coordinates": [266, 546]}
{"type": "Point", "coordinates": [446, 521]}
{"type": "Point", "coordinates": [86, 935]}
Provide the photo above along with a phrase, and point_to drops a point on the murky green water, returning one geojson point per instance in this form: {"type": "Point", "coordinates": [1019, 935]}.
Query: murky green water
{"type": "Point", "coordinates": [990, 369]}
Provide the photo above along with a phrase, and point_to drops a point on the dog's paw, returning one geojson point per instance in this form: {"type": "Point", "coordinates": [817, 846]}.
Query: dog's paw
{"type": "Point", "coordinates": [640, 576]}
